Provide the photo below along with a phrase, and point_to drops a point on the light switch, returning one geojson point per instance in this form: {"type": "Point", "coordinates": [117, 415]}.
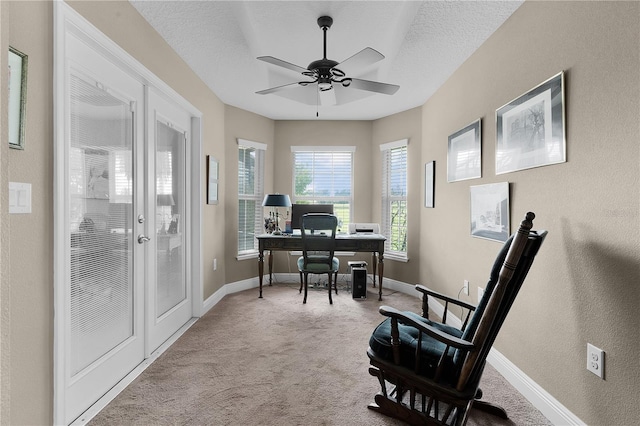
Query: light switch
{"type": "Point", "coordinates": [19, 197]}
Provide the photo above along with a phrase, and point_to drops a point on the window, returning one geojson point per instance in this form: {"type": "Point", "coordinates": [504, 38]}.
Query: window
{"type": "Point", "coordinates": [250, 193]}
{"type": "Point", "coordinates": [323, 175]}
{"type": "Point", "coordinates": [394, 197]}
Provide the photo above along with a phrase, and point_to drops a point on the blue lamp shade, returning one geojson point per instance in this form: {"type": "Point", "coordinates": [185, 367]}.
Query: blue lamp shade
{"type": "Point", "coordinates": [276, 200]}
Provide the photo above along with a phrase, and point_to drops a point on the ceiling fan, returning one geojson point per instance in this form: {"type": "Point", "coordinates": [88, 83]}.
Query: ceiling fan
{"type": "Point", "coordinates": [329, 76]}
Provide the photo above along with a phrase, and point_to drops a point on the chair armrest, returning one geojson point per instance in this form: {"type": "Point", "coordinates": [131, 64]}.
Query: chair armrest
{"type": "Point", "coordinates": [425, 291]}
{"type": "Point", "coordinates": [440, 336]}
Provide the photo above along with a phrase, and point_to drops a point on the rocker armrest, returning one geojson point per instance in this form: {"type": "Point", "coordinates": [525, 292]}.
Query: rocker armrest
{"type": "Point", "coordinates": [441, 336]}
{"type": "Point", "coordinates": [425, 291]}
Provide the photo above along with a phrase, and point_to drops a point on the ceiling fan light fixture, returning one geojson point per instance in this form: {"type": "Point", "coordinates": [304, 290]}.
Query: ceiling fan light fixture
{"type": "Point", "coordinates": [324, 86]}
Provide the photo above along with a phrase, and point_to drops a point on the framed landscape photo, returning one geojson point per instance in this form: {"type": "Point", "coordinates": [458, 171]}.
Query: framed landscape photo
{"type": "Point", "coordinates": [530, 130]}
{"type": "Point", "coordinates": [17, 97]}
{"type": "Point", "coordinates": [464, 153]}
{"type": "Point", "coordinates": [490, 211]}
{"type": "Point", "coordinates": [429, 183]}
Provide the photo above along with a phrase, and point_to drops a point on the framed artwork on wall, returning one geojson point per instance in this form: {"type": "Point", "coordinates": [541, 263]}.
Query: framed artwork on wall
{"type": "Point", "coordinates": [429, 183]}
{"type": "Point", "coordinates": [212, 180]}
{"type": "Point", "coordinates": [464, 153]}
{"type": "Point", "coordinates": [17, 97]}
{"type": "Point", "coordinates": [530, 130]}
{"type": "Point", "coordinates": [490, 211]}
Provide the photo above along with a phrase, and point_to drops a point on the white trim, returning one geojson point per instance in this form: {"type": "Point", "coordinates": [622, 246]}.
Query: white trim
{"type": "Point", "coordinates": [394, 144]}
{"type": "Point", "coordinates": [396, 257]}
{"type": "Point", "coordinates": [542, 400]}
{"type": "Point", "coordinates": [247, 255]}
{"type": "Point", "coordinates": [301, 148]}
{"type": "Point", "coordinates": [68, 21]}
{"type": "Point", "coordinates": [251, 144]}
{"type": "Point", "coordinates": [550, 407]}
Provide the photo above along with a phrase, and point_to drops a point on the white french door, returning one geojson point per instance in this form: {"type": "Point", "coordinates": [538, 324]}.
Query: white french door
{"type": "Point", "coordinates": [124, 273]}
{"type": "Point", "coordinates": [169, 303]}
{"type": "Point", "coordinates": [103, 191]}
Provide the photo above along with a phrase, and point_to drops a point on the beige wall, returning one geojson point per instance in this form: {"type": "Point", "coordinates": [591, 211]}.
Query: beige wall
{"type": "Point", "coordinates": [582, 288]}
{"type": "Point", "coordinates": [584, 285]}
{"type": "Point", "coordinates": [324, 133]}
{"type": "Point", "coordinates": [405, 125]}
{"type": "Point", "coordinates": [30, 236]}
{"type": "Point", "coordinates": [27, 241]}
{"type": "Point", "coordinates": [240, 124]}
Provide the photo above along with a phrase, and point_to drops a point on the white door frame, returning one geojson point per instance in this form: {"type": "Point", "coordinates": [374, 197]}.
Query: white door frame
{"type": "Point", "coordinates": [67, 20]}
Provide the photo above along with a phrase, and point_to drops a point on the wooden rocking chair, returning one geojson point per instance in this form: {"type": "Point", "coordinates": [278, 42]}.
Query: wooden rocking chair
{"type": "Point", "coordinates": [434, 368]}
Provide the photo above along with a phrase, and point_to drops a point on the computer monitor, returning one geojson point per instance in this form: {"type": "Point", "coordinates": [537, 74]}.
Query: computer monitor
{"type": "Point", "coordinates": [298, 210]}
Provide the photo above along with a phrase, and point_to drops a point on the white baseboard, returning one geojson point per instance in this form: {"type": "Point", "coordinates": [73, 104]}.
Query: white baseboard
{"type": "Point", "coordinates": [550, 407]}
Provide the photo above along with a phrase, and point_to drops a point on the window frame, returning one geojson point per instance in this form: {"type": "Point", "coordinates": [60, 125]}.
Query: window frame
{"type": "Point", "coordinates": [386, 198]}
{"type": "Point", "coordinates": [344, 221]}
{"type": "Point", "coordinates": [257, 196]}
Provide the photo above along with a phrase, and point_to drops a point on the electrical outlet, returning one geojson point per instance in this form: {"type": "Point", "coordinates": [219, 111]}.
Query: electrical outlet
{"type": "Point", "coordinates": [215, 264]}
{"type": "Point", "coordinates": [466, 287]}
{"type": "Point", "coordinates": [595, 360]}
{"type": "Point", "coordinates": [480, 294]}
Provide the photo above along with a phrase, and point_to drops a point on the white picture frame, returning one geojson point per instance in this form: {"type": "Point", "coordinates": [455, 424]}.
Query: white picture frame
{"type": "Point", "coordinates": [490, 211]}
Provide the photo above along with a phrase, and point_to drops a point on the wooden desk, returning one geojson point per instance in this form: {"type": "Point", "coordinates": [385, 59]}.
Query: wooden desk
{"type": "Point", "coordinates": [373, 243]}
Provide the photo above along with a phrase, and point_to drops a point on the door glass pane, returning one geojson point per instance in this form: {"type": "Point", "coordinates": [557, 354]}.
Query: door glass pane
{"type": "Point", "coordinates": [100, 220]}
{"type": "Point", "coordinates": [170, 190]}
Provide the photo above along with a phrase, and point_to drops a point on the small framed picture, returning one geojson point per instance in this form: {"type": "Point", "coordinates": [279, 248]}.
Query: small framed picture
{"type": "Point", "coordinates": [212, 180]}
{"type": "Point", "coordinates": [464, 154]}
{"type": "Point", "coordinates": [429, 183]}
{"type": "Point", "coordinates": [530, 130]}
{"type": "Point", "coordinates": [490, 211]}
{"type": "Point", "coordinates": [17, 97]}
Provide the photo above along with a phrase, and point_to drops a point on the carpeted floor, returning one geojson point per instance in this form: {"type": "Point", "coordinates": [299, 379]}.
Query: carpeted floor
{"type": "Point", "coordinates": [269, 361]}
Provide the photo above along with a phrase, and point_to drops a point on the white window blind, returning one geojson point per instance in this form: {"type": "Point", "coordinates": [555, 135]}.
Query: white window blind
{"type": "Point", "coordinates": [101, 296]}
{"type": "Point", "coordinates": [394, 197]}
{"type": "Point", "coordinates": [250, 194]}
{"type": "Point", "coordinates": [324, 175]}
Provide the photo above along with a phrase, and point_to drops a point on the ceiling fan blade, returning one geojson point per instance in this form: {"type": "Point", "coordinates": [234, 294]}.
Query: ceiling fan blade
{"type": "Point", "coordinates": [374, 86]}
{"type": "Point", "coordinates": [281, 63]}
{"type": "Point", "coordinates": [360, 60]}
{"type": "Point", "coordinates": [278, 88]}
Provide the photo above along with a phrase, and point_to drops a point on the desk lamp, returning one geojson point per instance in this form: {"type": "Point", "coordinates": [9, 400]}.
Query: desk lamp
{"type": "Point", "coordinates": [276, 200]}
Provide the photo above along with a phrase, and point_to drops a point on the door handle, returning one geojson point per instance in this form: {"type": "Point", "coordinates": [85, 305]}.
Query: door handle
{"type": "Point", "coordinates": [143, 239]}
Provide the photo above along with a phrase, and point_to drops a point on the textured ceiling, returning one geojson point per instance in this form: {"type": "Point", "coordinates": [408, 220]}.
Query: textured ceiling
{"type": "Point", "coordinates": [424, 42]}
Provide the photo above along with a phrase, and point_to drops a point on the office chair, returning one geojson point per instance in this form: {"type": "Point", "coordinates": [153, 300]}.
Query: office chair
{"type": "Point", "coordinates": [318, 232]}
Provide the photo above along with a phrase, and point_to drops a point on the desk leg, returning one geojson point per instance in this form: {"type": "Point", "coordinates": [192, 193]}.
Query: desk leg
{"type": "Point", "coordinates": [380, 272]}
{"type": "Point", "coordinates": [260, 269]}
{"type": "Point", "coordinates": [270, 265]}
{"type": "Point", "coordinates": [374, 262]}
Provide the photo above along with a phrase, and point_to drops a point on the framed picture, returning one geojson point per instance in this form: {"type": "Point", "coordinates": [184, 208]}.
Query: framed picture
{"type": "Point", "coordinates": [212, 180]}
{"type": "Point", "coordinates": [490, 211]}
{"type": "Point", "coordinates": [429, 183]}
{"type": "Point", "coordinates": [464, 159]}
{"type": "Point", "coordinates": [17, 97]}
{"type": "Point", "coordinates": [530, 130]}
